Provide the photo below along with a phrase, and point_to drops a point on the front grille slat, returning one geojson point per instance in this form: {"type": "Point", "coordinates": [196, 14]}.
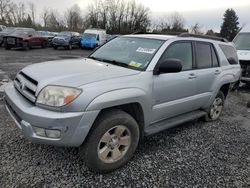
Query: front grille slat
{"type": "Point", "coordinates": [26, 85]}
{"type": "Point", "coordinates": [245, 66]}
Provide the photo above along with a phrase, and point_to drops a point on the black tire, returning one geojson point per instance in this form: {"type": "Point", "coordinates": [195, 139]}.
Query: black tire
{"type": "Point", "coordinates": [44, 44]}
{"type": "Point", "coordinates": [26, 46]}
{"type": "Point", "coordinates": [7, 47]}
{"type": "Point", "coordinates": [69, 47]}
{"type": "Point", "coordinates": [55, 47]}
{"type": "Point", "coordinates": [107, 121]}
{"type": "Point", "coordinates": [209, 117]}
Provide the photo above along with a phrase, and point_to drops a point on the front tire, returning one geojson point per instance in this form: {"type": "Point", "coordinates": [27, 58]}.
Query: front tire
{"type": "Point", "coordinates": [70, 47]}
{"type": "Point", "coordinates": [216, 108]}
{"type": "Point", "coordinates": [112, 142]}
{"type": "Point", "coordinates": [26, 46]}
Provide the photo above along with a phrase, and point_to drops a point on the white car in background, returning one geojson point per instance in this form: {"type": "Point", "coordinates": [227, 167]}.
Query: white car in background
{"type": "Point", "coordinates": [242, 44]}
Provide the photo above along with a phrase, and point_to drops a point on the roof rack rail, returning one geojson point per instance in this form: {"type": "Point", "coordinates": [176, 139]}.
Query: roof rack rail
{"type": "Point", "coordinates": [203, 37]}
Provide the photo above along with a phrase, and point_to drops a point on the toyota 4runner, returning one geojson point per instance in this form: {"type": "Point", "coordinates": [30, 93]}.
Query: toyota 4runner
{"type": "Point", "coordinates": [132, 86]}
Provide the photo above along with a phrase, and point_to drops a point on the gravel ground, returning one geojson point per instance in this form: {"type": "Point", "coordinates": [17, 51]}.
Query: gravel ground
{"type": "Point", "coordinates": [196, 154]}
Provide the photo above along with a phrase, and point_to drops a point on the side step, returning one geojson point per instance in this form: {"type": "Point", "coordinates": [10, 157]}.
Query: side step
{"type": "Point", "coordinates": [168, 123]}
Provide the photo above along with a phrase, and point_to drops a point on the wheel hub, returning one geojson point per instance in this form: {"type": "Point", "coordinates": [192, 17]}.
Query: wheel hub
{"type": "Point", "coordinates": [114, 144]}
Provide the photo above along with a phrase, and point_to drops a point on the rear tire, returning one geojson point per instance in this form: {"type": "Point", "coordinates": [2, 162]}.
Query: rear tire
{"type": "Point", "coordinates": [216, 108]}
{"type": "Point", "coordinates": [55, 47]}
{"type": "Point", "coordinates": [112, 141]}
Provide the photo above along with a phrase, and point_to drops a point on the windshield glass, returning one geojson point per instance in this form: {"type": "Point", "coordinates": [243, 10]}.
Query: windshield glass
{"type": "Point", "coordinates": [64, 34]}
{"type": "Point", "coordinates": [129, 52]}
{"type": "Point", "coordinates": [21, 32]}
{"type": "Point", "coordinates": [8, 30]}
{"type": "Point", "coordinates": [89, 35]}
{"type": "Point", "coordinates": [242, 41]}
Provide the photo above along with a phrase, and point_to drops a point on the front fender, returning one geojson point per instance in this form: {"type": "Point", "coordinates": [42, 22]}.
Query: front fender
{"type": "Point", "coordinates": [121, 97]}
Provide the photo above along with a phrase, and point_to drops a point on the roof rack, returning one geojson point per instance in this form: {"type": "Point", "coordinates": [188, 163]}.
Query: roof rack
{"type": "Point", "coordinates": [203, 37]}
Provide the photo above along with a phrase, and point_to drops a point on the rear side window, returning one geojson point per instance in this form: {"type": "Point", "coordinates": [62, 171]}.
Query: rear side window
{"type": "Point", "coordinates": [203, 55]}
{"type": "Point", "coordinates": [230, 53]}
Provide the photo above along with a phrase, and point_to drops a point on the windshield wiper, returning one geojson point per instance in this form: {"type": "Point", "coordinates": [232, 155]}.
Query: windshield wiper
{"type": "Point", "coordinates": [113, 62]}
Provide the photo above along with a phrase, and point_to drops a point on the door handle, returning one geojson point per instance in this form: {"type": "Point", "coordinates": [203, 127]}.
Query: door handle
{"type": "Point", "coordinates": [192, 76]}
{"type": "Point", "coordinates": [217, 72]}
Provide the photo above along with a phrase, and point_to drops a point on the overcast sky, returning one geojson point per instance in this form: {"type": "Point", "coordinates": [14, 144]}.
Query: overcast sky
{"type": "Point", "coordinates": [207, 13]}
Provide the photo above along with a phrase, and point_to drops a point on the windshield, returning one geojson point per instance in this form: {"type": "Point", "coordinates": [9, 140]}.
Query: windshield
{"type": "Point", "coordinates": [64, 34]}
{"type": "Point", "coordinates": [129, 52]}
{"type": "Point", "coordinates": [8, 30]}
{"type": "Point", "coordinates": [21, 32]}
{"type": "Point", "coordinates": [89, 35]}
{"type": "Point", "coordinates": [242, 41]}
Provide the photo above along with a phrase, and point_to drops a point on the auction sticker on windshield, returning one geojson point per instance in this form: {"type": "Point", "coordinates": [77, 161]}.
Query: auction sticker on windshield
{"type": "Point", "coordinates": [135, 64]}
{"type": "Point", "coordinates": [146, 50]}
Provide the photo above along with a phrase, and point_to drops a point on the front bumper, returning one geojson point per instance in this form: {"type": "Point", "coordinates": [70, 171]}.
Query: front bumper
{"type": "Point", "coordinates": [74, 126]}
{"type": "Point", "coordinates": [245, 79]}
{"type": "Point", "coordinates": [62, 44]}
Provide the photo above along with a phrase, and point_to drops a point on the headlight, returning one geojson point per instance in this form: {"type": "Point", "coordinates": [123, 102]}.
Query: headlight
{"type": "Point", "coordinates": [57, 96]}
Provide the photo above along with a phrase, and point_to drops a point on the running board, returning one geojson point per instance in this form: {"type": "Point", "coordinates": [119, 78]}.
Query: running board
{"type": "Point", "coordinates": [168, 123]}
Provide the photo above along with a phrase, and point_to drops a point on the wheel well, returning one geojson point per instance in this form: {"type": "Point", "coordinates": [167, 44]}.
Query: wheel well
{"type": "Point", "coordinates": [133, 109]}
{"type": "Point", "coordinates": [225, 89]}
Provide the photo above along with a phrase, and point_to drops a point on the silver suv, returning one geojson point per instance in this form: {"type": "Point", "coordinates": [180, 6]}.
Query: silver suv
{"type": "Point", "coordinates": [132, 86]}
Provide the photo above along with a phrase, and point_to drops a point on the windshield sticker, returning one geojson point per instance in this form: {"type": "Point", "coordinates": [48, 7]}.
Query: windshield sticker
{"type": "Point", "coordinates": [135, 64]}
{"type": "Point", "coordinates": [145, 50]}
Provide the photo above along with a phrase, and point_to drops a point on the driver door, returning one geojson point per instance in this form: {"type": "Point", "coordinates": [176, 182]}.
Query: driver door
{"type": "Point", "coordinates": [174, 93]}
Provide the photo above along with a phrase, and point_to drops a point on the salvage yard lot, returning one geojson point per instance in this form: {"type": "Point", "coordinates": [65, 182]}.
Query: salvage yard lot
{"type": "Point", "coordinates": [193, 154]}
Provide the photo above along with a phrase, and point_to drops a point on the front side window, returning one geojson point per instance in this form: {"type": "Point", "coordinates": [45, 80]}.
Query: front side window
{"type": "Point", "coordinates": [203, 55]}
{"type": "Point", "coordinates": [130, 52]}
{"type": "Point", "coordinates": [181, 51]}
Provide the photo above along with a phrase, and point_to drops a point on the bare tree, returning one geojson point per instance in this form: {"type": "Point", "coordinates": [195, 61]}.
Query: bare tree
{"type": "Point", "coordinates": [45, 16]}
{"type": "Point", "coordinates": [32, 10]}
{"type": "Point", "coordinates": [177, 22]}
{"type": "Point", "coordinates": [74, 18]}
{"type": "Point", "coordinates": [196, 29]}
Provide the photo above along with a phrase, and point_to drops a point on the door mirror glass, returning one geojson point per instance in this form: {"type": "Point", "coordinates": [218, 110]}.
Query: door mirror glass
{"type": "Point", "coordinates": [169, 66]}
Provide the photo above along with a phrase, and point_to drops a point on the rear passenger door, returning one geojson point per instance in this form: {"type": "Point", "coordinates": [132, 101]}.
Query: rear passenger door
{"type": "Point", "coordinates": [208, 70]}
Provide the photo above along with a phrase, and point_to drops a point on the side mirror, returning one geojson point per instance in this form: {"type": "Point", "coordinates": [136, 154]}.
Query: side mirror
{"type": "Point", "coordinates": [169, 66]}
{"type": "Point", "coordinates": [30, 35]}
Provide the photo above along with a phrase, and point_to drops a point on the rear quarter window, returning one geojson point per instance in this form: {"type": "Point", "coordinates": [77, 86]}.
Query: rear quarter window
{"type": "Point", "coordinates": [230, 53]}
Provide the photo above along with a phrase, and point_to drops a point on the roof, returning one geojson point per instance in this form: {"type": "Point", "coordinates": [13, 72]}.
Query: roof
{"type": "Point", "coordinates": [152, 36]}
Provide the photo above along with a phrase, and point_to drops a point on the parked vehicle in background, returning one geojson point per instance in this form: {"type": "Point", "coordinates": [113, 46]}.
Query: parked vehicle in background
{"type": "Point", "coordinates": [49, 36]}
{"type": "Point", "coordinates": [25, 38]}
{"type": "Point", "coordinates": [132, 86]}
{"type": "Point", "coordinates": [2, 27]}
{"type": "Point", "coordinates": [67, 40]}
{"type": "Point", "coordinates": [110, 37]}
{"type": "Point", "coordinates": [5, 32]}
{"type": "Point", "coordinates": [242, 44]}
{"type": "Point", "coordinates": [92, 38]}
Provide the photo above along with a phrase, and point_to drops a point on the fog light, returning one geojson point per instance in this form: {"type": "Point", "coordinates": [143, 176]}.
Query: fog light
{"type": "Point", "coordinates": [53, 133]}
{"type": "Point", "coordinates": [39, 131]}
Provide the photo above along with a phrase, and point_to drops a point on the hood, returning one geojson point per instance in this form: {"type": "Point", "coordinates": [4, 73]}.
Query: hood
{"type": "Point", "coordinates": [74, 72]}
{"type": "Point", "coordinates": [244, 55]}
{"type": "Point", "coordinates": [61, 37]}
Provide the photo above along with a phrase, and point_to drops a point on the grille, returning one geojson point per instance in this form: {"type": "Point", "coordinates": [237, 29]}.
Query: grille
{"type": "Point", "coordinates": [11, 40]}
{"type": "Point", "coordinates": [26, 86]}
{"type": "Point", "coordinates": [245, 66]}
